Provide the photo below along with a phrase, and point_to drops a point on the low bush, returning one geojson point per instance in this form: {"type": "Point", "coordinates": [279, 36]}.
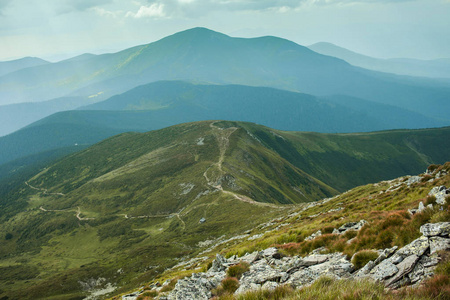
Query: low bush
{"type": "Point", "coordinates": [238, 270]}
{"type": "Point", "coordinates": [361, 258]}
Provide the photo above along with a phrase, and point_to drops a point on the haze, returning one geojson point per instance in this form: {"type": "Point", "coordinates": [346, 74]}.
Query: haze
{"type": "Point", "coordinates": [55, 30]}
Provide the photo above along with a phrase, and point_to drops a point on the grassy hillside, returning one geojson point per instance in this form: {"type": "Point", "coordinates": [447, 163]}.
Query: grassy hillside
{"type": "Point", "coordinates": [133, 205]}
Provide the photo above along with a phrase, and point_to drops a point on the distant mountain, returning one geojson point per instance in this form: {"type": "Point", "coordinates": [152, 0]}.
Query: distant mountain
{"type": "Point", "coordinates": [202, 55]}
{"type": "Point", "coordinates": [161, 104]}
{"type": "Point", "coordinates": [128, 208]}
{"type": "Point", "coordinates": [18, 64]}
{"type": "Point", "coordinates": [15, 116]}
{"type": "Point", "coordinates": [438, 68]}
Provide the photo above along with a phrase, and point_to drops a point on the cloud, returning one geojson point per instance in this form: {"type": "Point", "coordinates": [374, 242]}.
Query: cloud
{"type": "Point", "coordinates": [154, 10]}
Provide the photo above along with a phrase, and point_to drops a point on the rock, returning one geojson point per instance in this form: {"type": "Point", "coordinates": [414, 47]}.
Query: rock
{"type": "Point", "coordinates": [202, 220]}
{"type": "Point", "coordinates": [260, 272]}
{"type": "Point", "coordinates": [421, 207]}
{"type": "Point", "coordinates": [251, 257]}
{"type": "Point", "coordinates": [270, 285]}
{"type": "Point", "coordinates": [384, 270]}
{"type": "Point", "coordinates": [313, 260]}
{"type": "Point", "coordinates": [246, 287]}
{"type": "Point", "coordinates": [386, 253]}
{"type": "Point", "coordinates": [365, 270]}
{"type": "Point", "coordinates": [219, 264]}
{"type": "Point", "coordinates": [423, 269]}
{"type": "Point", "coordinates": [435, 229]}
{"type": "Point", "coordinates": [440, 192]}
{"type": "Point", "coordinates": [190, 288]}
{"type": "Point", "coordinates": [438, 243]}
{"type": "Point", "coordinates": [314, 235]}
{"type": "Point", "coordinates": [271, 253]}
{"type": "Point", "coordinates": [413, 179]}
{"type": "Point", "coordinates": [351, 226]}
{"type": "Point", "coordinates": [417, 247]}
{"type": "Point", "coordinates": [406, 266]}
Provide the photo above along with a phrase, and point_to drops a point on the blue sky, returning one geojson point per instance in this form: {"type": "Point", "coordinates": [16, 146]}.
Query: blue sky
{"type": "Point", "coordinates": [56, 29]}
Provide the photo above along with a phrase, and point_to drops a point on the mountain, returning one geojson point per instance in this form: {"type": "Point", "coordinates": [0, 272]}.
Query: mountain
{"type": "Point", "coordinates": [131, 206]}
{"type": "Point", "coordinates": [18, 64]}
{"type": "Point", "coordinates": [161, 104]}
{"type": "Point", "coordinates": [15, 116]}
{"type": "Point", "coordinates": [202, 55]}
{"type": "Point", "coordinates": [438, 68]}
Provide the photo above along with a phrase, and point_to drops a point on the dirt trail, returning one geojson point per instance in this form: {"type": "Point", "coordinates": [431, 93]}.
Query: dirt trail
{"type": "Point", "coordinates": [223, 139]}
{"type": "Point", "coordinates": [45, 191]}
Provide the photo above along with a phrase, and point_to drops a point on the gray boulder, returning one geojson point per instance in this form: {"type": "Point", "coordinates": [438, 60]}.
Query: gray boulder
{"type": "Point", "coordinates": [438, 243]}
{"type": "Point", "coordinates": [435, 229]}
{"type": "Point", "coordinates": [384, 270]}
{"type": "Point", "coordinates": [406, 266]}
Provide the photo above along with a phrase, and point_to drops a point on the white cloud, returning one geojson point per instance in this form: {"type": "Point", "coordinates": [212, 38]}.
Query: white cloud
{"type": "Point", "coordinates": [155, 10]}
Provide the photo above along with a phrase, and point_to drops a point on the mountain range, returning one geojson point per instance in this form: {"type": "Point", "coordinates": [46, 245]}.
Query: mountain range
{"type": "Point", "coordinates": [437, 68]}
{"type": "Point", "coordinates": [165, 103]}
{"type": "Point", "coordinates": [202, 55]}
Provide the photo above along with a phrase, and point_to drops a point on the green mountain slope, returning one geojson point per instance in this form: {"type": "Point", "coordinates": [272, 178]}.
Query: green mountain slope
{"type": "Point", "coordinates": [161, 104]}
{"type": "Point", "coordinates": [438, 68]}
{"type": "Point", "coordinates": [141, 193]}
{"type": "Point", "coordinates": [131, 206]}
{"type": "Point", "coordinates": [203, 55]}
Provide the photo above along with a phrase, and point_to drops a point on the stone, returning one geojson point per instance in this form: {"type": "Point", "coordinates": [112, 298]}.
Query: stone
{"type": "Point", "coordinates": [219, 264]}
{"type": "Point", "coordinates": [365, 270]}
{"type": "Point", "coordinates": [438, 243]}
{"type": "Point", "coordinates": [386, 253]}
{"type": "Point", "coordinates": [417, 247]}
{"type": "Point", "coordinates": [246, 287]}
{"type": "Point", "coordinates": [313, 260]}
{"type": "Point", "coordinates": [421, 207]}
{"type": "Point", "coordinates": [261, 272]}
{"type": "Point", "coordinates": [191, 288]}
{"type": "Point", "coordinates": [384, 270]}
{"type": "Point", "coordinates": [435, 229]}
{"type": "Point", "coordinates": [413, 179]}
{"type": "Point", "coordinates": [440, 192]}
{"type": "Point", "coordinates": [252, 257]}
{"type": "Point", "coordinates": [270, 285]}
{"type": "Point", "coordinates": [406, 266]}
{"type": "Point", "coordinates": [271, 253]}
{"type": "Point", "coordinates": [423, 269]}
{"type": "Point", "coordinates": [314, 235]}
{"type": "Point", "coordinates": [351, 226]}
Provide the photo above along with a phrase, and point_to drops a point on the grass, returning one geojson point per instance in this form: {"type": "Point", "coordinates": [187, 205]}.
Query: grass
{"type": "Point", "coordinates": [66, 250]}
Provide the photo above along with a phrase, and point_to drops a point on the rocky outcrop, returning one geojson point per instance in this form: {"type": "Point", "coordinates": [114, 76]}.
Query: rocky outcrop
{"type": "Point", "coordinates": [350, 226]}
{"type": "Point", "coordinates": [412, 263]}
{"type": "Point", "coordinates": [440, 193]}
{"type": "Point", "coordinates": [394, 267]}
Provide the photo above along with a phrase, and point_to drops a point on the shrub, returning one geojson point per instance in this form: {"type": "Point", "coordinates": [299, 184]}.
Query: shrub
{"type": "Point", "coordinates": [430, 200]}
{"type": "Point", "coordinates": [238, 270]}
{"type": "Point", "coordinates": [230, 284]}
{"type": "Point", "coordinates": [361, 258]}
{"type": "Point", "coordinates": [384, 239]}
{"type": "Point", "coordinates": [328, 229]}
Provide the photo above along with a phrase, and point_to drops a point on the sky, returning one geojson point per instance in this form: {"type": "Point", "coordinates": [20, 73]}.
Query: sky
{"type": "Point", "coordinates": [59, 29]}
